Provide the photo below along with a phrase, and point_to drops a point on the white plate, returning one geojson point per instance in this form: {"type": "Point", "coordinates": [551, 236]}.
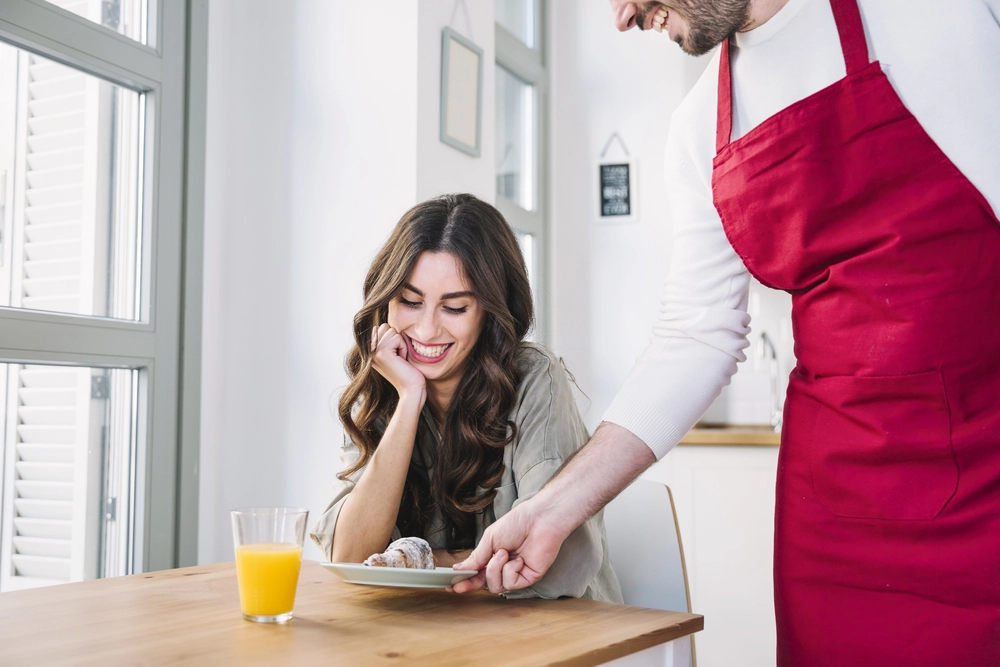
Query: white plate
{"type": "Point", "coordinates": [439, 577]}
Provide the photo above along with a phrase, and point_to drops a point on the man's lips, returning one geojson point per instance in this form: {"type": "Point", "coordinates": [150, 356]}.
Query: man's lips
{"type": "Point", "coordinates": [431, 354]}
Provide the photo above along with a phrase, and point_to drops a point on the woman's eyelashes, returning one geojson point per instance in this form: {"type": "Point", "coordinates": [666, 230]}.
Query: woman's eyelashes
{"type": "Point", "coordinates": [448, 309]}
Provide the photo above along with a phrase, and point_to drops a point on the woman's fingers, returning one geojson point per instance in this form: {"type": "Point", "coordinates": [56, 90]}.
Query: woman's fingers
{"type": "Point", "coordinates": [382, 335]}
{"type": "Point", "coordinates": [377, 333]}
{"type": "Point", "coordinates": [390, 358]}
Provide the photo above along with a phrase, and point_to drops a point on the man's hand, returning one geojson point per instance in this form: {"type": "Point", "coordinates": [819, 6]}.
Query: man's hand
{"type": "Point", "coordinates": [518, 549]}
{"type": "Point", "coordinates": [515, 552]}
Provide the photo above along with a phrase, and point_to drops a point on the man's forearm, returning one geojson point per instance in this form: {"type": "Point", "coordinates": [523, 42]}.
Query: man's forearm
{"type": "Point", "coordinates": [609, 462]}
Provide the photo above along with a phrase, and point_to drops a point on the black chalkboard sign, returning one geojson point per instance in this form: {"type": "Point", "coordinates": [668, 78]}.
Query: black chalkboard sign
{"type": "Point", "coordinates": [616, 190]}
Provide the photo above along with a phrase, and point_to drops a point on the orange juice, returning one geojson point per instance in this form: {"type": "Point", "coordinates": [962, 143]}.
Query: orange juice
{"type": "Point", "coordinates": [268, 574]}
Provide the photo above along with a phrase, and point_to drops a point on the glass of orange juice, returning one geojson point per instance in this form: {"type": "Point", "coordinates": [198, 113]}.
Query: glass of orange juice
{"type": "Point", "coordinates": [268, 556]}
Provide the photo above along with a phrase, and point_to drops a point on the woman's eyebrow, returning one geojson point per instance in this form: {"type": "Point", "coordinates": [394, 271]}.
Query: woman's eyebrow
{"type": "Point", "coordinates": [444, 297]}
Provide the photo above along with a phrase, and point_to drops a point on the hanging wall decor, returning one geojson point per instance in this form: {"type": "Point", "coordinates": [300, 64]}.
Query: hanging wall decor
{"type": "Point", "coordinates": [461, 92]}
{"type": "Point", "coordinates": [616, 185]}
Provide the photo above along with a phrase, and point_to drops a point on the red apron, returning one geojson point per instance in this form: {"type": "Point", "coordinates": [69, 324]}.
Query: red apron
{"type": "Point", "coordinates": [887, 524]}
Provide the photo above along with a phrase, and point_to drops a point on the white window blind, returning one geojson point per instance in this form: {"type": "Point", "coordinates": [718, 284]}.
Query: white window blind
{"type": "Point", "coordinates": [46, 511]}
{"type": "Point", "coordinates": [54, 239]}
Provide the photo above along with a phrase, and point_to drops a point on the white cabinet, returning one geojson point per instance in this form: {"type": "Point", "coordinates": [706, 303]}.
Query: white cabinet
{"type": "Point", "coordinates": [724, 496]}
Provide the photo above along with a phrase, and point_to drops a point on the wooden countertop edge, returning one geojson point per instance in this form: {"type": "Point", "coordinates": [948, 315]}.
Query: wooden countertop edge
{"type": "Point", "coordinates": [731, 436]}
{"type": "Point", "coordinates": [626, 648]}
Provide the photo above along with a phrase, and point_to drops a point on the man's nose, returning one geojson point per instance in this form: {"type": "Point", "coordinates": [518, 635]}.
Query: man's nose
{"type": "Point", "coordinates": [625, 16]}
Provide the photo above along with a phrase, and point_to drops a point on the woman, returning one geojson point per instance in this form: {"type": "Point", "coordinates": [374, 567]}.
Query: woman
{"type": "Point", "coordinates": [450, 417]}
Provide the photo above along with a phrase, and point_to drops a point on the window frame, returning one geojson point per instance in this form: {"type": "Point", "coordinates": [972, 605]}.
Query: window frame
{"type": "Point", "coordinates": [165, 345]}
{"type": "Point", "coordinates": [529, 65]}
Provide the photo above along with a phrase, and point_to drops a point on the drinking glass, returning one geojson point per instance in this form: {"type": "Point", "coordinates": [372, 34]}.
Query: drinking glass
{"type": "Point", "coordinates": [268, 544]}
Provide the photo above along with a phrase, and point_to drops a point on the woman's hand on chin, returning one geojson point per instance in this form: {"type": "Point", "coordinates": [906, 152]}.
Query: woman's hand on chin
{"type": "Point", "coordinates": [389, 358]}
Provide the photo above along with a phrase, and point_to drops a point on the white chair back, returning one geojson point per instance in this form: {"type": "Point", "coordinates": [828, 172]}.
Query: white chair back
{"type": "Point", "coordinates": [645, 547]}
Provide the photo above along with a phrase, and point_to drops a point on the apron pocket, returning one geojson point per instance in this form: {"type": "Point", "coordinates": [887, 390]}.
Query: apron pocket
{"type": "Point", "coordinates": [880, 447]}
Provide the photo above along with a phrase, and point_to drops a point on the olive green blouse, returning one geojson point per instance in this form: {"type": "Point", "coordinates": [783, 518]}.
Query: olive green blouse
{"type": "Point", "coordinates": [549, 431]}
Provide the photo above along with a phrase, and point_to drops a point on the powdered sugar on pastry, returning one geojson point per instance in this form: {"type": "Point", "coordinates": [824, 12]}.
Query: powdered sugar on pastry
{"type": "Point", "coordinates": [408, 552]}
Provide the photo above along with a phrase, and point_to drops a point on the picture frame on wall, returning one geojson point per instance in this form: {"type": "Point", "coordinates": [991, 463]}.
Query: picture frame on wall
{"type": "Point", "coordinates": [461, 92]}
{"type": "Point", "coordinates": [617, 190]}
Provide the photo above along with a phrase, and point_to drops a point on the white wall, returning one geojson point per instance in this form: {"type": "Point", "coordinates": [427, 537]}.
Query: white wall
{"type": "Point", "coordinates": [322, 131]}
{"type": "Point", "coordinates": [607, 279]}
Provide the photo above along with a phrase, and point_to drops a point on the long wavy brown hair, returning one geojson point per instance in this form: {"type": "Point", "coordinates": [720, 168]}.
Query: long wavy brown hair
{"type": "Point", "coordinates": [469, 461]}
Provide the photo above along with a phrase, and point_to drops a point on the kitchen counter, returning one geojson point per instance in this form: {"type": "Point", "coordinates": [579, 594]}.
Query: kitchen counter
{"type": "Point", "coordinates": [731, 434]}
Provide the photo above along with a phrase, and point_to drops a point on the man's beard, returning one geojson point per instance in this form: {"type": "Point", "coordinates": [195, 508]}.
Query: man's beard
{"type": "Point", "coordinates": [710, 22]}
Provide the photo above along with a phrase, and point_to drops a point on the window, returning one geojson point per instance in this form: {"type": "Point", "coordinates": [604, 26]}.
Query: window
{"type": "Point", "coordinates": [68, 473]}
{"type": "Point", "coordinates": [71, 156]}
{"type": "Point", "coordinates": [520, 19]}
{"type": "Point", "coordinates": [99, 203]}
{"type": "Point", "coordinates": [126, 17]}
{"type": "Point", "coordinates": [521, 89]}
{"type": "Point", "coordinates": [515, 140]}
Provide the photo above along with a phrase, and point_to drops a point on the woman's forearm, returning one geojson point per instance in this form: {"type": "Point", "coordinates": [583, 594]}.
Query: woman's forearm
{"type": "Point", "coordinates": [369, 513]}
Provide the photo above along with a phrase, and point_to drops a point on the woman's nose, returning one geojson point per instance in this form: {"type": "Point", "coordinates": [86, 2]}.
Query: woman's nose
{"type": "Point", "coordinates": [625, 16]}
{"type": "Point", "coordinates": [427, 326]}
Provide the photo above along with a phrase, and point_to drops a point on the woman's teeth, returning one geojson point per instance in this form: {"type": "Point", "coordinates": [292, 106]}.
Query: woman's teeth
{"type": "Point", "coordinates": [659, 19]}
{"type": "Point", "coordinates": [430, 351]}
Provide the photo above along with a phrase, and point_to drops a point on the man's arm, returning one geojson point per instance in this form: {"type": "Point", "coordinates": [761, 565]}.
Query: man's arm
{"type": "Point", "coordinates": [698, 338]}
{"type": "Point", "coordinates": [516, 551]}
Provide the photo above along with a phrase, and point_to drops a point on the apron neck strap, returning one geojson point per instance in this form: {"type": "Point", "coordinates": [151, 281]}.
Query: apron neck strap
{"type": "Point", "coordinates": [852, 34]}
{"type": "Point", "coordinates": [724, 117]}
{"type": "Point", "coordinates": [852, 42]}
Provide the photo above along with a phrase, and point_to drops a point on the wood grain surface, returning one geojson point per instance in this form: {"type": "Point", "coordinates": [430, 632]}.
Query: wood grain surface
{"type": "Point", "coordinates": [756, 436]}
{"type": "Point", "coordinates": [192, 616]}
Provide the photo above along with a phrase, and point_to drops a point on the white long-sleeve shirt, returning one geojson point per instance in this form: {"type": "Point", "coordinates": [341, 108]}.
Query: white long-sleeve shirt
{"type": "Point", "coordinates": [943, 60]}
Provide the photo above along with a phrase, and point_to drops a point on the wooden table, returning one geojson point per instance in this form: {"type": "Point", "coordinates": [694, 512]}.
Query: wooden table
{"type": "Point", "coordinates": [192, 615]}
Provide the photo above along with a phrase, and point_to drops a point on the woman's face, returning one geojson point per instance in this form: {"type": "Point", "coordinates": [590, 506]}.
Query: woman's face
{"type": "Point", "coordinates": [438, 317]}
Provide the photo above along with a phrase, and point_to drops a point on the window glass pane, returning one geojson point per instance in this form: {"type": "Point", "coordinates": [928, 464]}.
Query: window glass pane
{"type": "Point", "coordinates": [515, 137]}
{"type": "Point", "coordinates": [527, 243]}
{"type": "Point", "coordinates": [126, 17]}
{"type": "Point", "coordinates": [70, 156]}
{"type": "Point", "coordinates": [518, 17]}
{"type": "Point", "coordinates": [68, 473]}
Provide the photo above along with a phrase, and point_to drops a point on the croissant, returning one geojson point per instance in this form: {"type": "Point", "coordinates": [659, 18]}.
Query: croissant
{"type": "Point", "coordinates": [410, 552]}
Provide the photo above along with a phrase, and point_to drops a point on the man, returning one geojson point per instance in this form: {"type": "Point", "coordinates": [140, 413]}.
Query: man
{"type": "Point", "coordinates": [848, 152]}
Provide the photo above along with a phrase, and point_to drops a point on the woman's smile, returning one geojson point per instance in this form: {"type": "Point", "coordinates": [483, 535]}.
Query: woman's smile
{"type": "Point", "coordinates": [426, 354]}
